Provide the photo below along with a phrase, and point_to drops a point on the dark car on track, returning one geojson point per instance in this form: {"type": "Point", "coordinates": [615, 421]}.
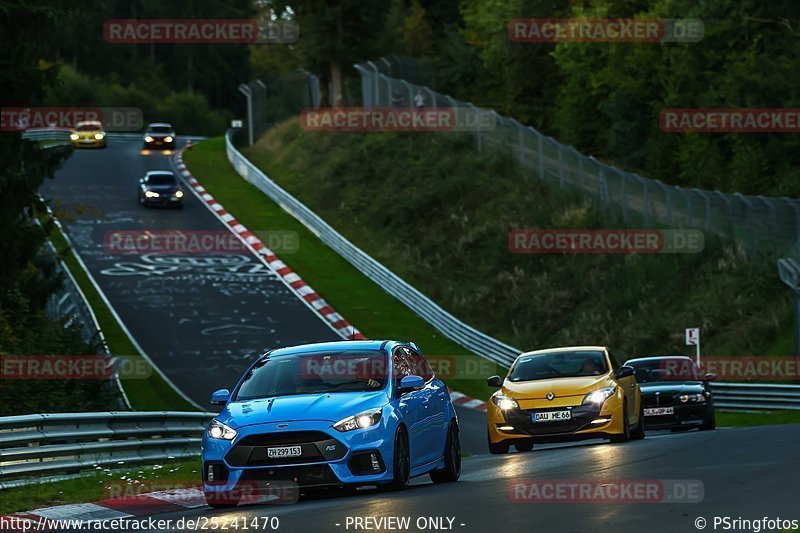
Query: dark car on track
{"type": "Point", "coordinates": [159, 135]}
{"type": "Point", "coordinates": [675, 395]}
{"type": "Point", "coordinates": [160, 187]}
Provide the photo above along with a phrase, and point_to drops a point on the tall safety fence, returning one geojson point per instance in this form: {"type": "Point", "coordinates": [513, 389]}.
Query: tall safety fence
{"type": "Point", "coordinates": [755, 223]}
{"type": "Point", "coordinates": [272, 100]}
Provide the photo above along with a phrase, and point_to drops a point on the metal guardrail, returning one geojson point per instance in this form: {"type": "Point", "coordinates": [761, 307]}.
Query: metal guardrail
{"type": "Point", "coordinates": [38, 446]}
{"type": "Point", "coordinates": [62, 134]}
{"type": "Point", "coordinates": [454, 329]}
{"type": "Point", "coordinates": [69, 303]}
{"type": "Point", "coordinates": [730, 395]}
{"type": "Point", "coordinates": [756, 396]}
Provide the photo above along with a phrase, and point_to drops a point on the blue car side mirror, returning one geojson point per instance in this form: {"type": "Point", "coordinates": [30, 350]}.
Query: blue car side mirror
{"type": "Point", "coordinates": [411, 383]}
{"type": "Point", "coordinates": [220, 397]}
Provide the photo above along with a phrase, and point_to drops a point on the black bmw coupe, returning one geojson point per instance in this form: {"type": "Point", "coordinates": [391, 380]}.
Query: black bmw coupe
{"type": "Point", "coordinates": [674, 393]}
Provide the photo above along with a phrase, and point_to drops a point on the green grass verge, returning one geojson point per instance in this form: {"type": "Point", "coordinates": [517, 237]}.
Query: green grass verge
{"type": "Point", "coordinates": [438, 214]}
{"type": "Point", "coordinates": [151, 394]}
{"type": "Point", "coordinates": [363, 303]}
{"type": "Point", "coordinates": [732, 419]}
{"type": "Point", "coordinates": [101, 485]}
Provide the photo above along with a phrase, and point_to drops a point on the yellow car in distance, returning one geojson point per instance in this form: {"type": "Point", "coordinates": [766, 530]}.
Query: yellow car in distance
{"type": "Point", "coordinates": [88, 134]}
{"type": "Point", "coordinates": [564, 394]}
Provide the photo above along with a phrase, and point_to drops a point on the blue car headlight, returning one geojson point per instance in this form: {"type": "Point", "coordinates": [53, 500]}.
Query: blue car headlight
{"type": "Point", "coordinates": [218, 430]}
{"type": "Point", "coordinates": [359, 421]}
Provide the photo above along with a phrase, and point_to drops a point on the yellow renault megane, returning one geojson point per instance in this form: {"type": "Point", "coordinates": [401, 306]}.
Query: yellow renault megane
{"type": "Point", "coordinates": [88, 133]}
{"type": "Point", "coordinates": [564, 394]}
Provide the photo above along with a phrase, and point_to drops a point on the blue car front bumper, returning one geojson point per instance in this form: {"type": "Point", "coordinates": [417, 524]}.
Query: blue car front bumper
{"type": "Point", "coordinates": [329, 457]}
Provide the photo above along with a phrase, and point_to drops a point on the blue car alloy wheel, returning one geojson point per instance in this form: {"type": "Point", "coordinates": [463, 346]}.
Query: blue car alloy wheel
{"type": "Point", "coordinates": [344, 414]}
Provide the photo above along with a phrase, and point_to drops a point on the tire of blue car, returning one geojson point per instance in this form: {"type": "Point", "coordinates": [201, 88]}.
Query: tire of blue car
{"type": "Point", "coordinates": [401, 462]}
{"type": "Point", "coordinates": [452, 457]}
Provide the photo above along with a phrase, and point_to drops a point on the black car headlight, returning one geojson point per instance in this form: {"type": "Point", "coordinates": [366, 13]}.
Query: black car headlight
{"type": "Point", "coordinates": [692, 398]}
{"type": "Point", "coordinates": [359, 421]}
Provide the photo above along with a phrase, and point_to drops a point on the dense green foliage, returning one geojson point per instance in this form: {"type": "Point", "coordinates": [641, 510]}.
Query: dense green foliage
{"type": "Point", "coordinates": [423, 215]}
{"type": "Point", "coordinates": [209, 69]}
{"type": "Point", "coordinates": [59, 52]}
{"type": "Point", "coordinates": [605, 98]}
{"type": "Point", "coordinates": [26, 277]}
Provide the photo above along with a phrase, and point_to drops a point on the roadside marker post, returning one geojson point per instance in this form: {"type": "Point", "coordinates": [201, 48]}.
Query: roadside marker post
{"type": "Point", "coordinates": [693, 339]}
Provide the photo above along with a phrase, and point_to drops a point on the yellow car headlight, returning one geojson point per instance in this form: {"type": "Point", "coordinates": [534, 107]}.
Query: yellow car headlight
{"type": "Point", "coordinates": [597, 397]}
{"type": "Point", "coordinates": [505, 403]}
{"type": "Point", "coordinates": [99, 136]}
{"type": "Point", "coordinates": [178, 194]}
{"type": "Point", "coordinates": [168, 139]}
{"type": "Point", "coordinates": [148, 139]}
{"type": "Point", "coordinates": [74, 136]}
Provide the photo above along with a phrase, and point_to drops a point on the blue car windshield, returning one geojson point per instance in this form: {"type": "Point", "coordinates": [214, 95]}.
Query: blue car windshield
{"type": "Point", "coordinates": [321, 372]}
{"type": "Point", "coordinates": [559, 365]}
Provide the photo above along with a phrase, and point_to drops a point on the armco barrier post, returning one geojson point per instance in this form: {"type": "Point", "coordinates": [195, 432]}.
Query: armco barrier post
{"type": "Point", "coordinates": [789, 272]}
{"type": "Point", "coordinates": [248, 93]}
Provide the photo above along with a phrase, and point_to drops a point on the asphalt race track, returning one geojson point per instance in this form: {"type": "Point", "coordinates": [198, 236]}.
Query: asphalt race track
{"type": "Point", "coordinates": [202, 319]}
{"type": "Point", "coordinates": [737, 470]}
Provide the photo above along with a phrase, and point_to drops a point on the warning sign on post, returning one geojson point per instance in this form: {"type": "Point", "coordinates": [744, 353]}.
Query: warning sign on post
{"type": "Point", "coordinates": [692, 336]}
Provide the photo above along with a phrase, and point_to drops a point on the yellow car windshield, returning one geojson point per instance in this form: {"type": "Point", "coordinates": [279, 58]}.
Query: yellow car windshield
{"type": "Point", "coordinates": [559, 365]}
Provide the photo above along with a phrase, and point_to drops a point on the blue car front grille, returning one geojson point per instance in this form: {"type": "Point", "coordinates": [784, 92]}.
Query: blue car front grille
{"type": "Point", "coordinates": [316, 447]}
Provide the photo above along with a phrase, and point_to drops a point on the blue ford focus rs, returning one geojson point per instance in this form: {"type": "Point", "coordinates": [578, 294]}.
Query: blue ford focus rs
{"type": "Point", "coordinates": [346, 414]}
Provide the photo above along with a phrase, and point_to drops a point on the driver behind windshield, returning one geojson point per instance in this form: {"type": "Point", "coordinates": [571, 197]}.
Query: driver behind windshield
{"type": "Point", "coordinates": [287, 375]}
